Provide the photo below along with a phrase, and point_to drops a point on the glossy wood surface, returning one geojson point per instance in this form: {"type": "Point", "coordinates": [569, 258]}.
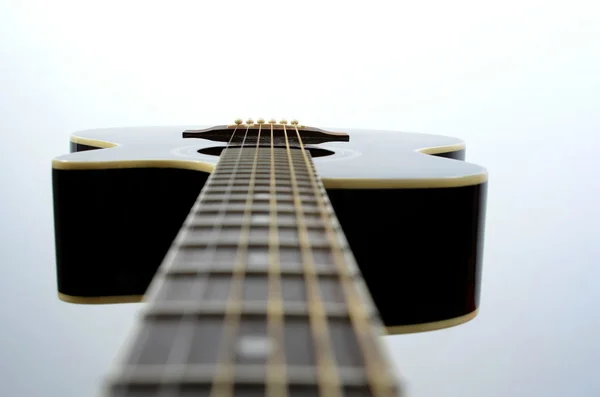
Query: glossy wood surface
{"type": "Point", "coordinates": [370, 159]}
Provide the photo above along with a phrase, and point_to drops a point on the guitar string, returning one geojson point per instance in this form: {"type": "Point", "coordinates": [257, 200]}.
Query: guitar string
{"type": "Point", "coordinates": [223, 383]}
{"type": "Point", "coordinates": [327, 376]}
{"type": "Point", "coordinates": [277, 384]}
{"type": "Point", "coordinates": [377, 374]}
{"type": "Point", "coordinates": [183, 339]}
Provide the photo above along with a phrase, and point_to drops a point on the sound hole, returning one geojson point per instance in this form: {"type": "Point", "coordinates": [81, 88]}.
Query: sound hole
{"type": "Point", "coordinates": [314, 152]}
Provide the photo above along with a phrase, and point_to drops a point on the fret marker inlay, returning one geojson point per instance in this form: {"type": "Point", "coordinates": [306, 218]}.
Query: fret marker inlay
{"type": "Point", "coordinates": [255, 347]}
{"type": "Point", "coordinates": [261, 219]}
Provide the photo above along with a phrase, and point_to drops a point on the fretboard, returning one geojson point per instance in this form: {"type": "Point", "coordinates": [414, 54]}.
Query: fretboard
{"type": "Point", "coordinates": [259, 294]}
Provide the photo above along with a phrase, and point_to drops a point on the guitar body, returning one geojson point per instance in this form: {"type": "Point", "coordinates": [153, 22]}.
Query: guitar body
{"type": "Point", "coordinates": [412, 210]}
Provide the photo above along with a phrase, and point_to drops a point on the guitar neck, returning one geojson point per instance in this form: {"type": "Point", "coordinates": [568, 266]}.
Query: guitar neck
{"type": "Point", "coordinates": [259, 293]}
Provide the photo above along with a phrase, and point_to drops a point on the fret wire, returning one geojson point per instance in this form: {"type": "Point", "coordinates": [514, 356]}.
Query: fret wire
{"type": "Point", "coordinates": [328, 378]}
{"type": "Point", "coordinates": [299, 375]}
{"type": "Point", "coordinates": [378, 374]}
{"type": "Point", "coordinates": [185, 271]}
{"type": "Point", "coordinates": [276, 366]}
{"type": "Point", "coordinates": [223, 385]}
{"type": "Point", "coordinates": [191, 310]}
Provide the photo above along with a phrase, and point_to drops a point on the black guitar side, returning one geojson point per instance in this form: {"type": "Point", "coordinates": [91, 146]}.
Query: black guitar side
{"type": "Point", "coordinates": [419, 250]}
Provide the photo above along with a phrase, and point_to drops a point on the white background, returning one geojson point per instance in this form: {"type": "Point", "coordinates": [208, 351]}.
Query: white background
{"type": "Point", "coordinates": [518, 80]}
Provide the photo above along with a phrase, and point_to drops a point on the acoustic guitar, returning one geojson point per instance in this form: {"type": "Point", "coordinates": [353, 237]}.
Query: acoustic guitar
{"type": "Point", "coordinates": [270, 256]}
